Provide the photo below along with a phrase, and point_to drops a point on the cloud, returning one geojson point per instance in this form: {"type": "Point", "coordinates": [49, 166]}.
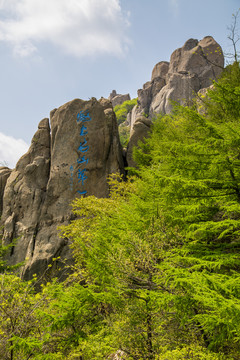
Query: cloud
{"type": "Point", "coordinates": [11, 150]}
{"type": "Point", "coordinates": [175, 7]}
{"type": "Point", "coordinates": [77, 27]}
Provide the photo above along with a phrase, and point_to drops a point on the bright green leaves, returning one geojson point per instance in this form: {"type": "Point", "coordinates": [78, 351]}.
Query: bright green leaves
{"type": "Point", "coordinates": [20, 333]}
{"type": "Point", "coordinates": [122, 110]}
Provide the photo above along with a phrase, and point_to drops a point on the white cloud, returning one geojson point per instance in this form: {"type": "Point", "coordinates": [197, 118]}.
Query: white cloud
{"type": "Point", "coordinates": [11, 150]}
{"type": "Point", "coordinates": [175, 7]}
{"type": "Point", "coordinates": [78, 27]}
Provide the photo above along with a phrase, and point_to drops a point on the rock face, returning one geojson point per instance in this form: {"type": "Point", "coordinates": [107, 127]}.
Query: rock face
{"type": "Point", "coordinates": [72, 160]}
{"type": "Point", "coordinates": [4, 175]}
{"type": "Point", "coordinates": [191, 68]}
{"type": "Point", "coordinates": [152, 88]}
{"type": "Point", "coordinates": [140, 130]}
{"type": "Point", "coordinates": [118, 99]}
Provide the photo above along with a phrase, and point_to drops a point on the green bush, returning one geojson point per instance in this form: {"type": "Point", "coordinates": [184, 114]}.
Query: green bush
{"type": "Point", "coordinates": [122, 110]}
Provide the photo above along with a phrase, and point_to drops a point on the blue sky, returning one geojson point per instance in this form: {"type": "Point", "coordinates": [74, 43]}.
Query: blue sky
{"type": "Point", "coordinates": [53, 51]}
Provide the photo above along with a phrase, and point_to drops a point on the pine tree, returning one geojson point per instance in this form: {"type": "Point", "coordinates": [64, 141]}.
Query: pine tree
{"type": "Point", "coordinates": [191, 172]}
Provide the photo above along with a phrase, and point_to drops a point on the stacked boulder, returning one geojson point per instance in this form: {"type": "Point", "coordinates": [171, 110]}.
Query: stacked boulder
{"type": "Point", "coordinates": [191, 68]}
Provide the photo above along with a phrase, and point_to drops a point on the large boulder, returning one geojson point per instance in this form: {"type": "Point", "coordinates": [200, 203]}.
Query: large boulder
{"type": "Point", "coordinates": [73, 160]}
{"type": "Point", "coordinates": [160, 70]}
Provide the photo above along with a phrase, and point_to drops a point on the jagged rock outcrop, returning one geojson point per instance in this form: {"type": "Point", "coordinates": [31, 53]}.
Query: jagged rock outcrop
{"type": "Point", "coordinates": [118, 99]}
{"type": "Point", "coordinates": [4, 175]}
{"type": "Point", "coordinates": [140, 131]}
{"type": "Point", "coordinates": [152, 88]}
{"type": "Point", "coordinates": [191, 68]}
{"type": "Point", "coordinates": [72, 160]}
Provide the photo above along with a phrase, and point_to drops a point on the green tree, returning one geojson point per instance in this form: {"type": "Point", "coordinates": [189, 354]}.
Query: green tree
{"type": "Point", "coordinates": [190, 167]}
{"type": "Point", "coordinates": [121, 247]}
{"type": "Point", "coordinates": [20, 330]}
{"type": "Point", "coordinates": [122, 110]}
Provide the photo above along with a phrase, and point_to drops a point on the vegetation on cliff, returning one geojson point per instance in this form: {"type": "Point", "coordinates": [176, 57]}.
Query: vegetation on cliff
{"type": "Point", "coordinates": [121, 112]}
{"type": "Point", "coordinates": [157, 268]}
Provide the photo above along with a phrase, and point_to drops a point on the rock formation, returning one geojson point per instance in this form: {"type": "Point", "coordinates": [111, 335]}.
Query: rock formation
{"type": "Point", "coordinates": [118, 99]}
{"type": "Point", "coordinates": [191, 68]}
{"type": "Point", "coordinates": [4, 175]}
{"type": "Point", "coordinates": [140, 131]}
{"type": "Point", "coordinates": [72, 160]}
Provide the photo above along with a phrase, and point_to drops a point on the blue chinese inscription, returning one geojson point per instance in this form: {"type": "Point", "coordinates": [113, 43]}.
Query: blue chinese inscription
{"type": "Point", "coordinates": [82, 118]}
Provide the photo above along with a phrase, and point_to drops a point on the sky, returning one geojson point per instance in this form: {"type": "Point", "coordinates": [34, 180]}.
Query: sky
{"type": "Point", "coordinates": [53, 51]}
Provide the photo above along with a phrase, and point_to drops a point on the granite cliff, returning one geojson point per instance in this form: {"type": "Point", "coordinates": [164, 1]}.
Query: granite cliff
{"type": "Point", "coordinates": [191, 68]}
{"type": "Point", "coordinates": [73, 159]}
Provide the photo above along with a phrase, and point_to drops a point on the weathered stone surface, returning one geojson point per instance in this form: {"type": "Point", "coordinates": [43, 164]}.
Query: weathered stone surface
{"type": "Point", "coordinates": [181, 88]}
{"type": "Point", "coordinates": [4, 175]}
{"type": "Point", "coordinates": [145, 98]}
{"type": "Point", "coordinates": [133, 117]}
{"type": "Point", "coordinates": [152, 88]}
{"type": "Point", "coordinates": [112, 95]}
{"type": "Point", "coordinates": [118, 99]}
{"type": "Point", "coordinates": [160, 70]}
{"type": "Point", "coordinates": [191, 68]}
{"type": "Point", "coordinates": [202, 58]}
{"type": "Point", "coordinates": [140, 131]}
{"type": "Point", "coordinates": [75, 160]}
{"type": "Point", "coordinates": [24, 195]}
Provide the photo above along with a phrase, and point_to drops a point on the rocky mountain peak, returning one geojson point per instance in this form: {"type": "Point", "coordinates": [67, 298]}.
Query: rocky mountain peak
{"type": "Point", "coordinates": [192, 67]}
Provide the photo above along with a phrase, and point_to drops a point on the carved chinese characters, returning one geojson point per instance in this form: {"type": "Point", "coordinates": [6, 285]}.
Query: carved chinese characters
{"type": "Point", "coordinates": [83, 148]}
{"type": "Point", "coordinates": [80, 166]}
